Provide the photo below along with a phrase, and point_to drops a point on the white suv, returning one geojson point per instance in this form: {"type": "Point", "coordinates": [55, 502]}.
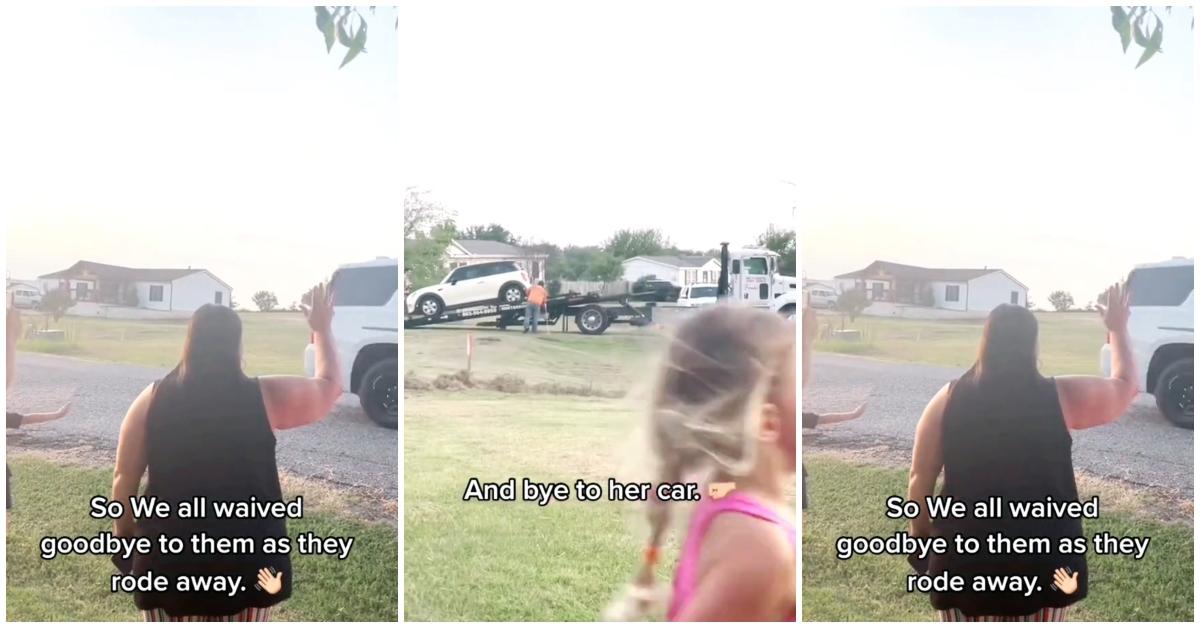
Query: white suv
{"type": "Point", "coordinates": [475, 284]}
{"type": "Point", "coordinates": [1162, 335]}
{"type": "Point", "coordinates": [366, 336]}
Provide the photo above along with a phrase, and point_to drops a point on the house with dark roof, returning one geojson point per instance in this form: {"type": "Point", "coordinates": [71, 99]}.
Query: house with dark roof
{"type": "Point", "coordinates": [961, 289]}
{"type": "Point", "coordinates": [465, 252]}
{"type": "Point", "coordinates": [681, 270]}
{"type": "Point", "coordinates": [163, 289]}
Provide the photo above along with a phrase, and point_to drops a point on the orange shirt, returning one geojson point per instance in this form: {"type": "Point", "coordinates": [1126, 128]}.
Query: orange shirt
{"type": "Point", "coordinates": [537, 295]}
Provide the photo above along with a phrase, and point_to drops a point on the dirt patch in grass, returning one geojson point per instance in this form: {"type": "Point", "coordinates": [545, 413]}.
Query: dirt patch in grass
{"type": "Point", "coordinates": [505, 383]}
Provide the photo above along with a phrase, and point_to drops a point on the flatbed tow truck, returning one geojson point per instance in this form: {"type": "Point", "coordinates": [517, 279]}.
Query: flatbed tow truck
{"type": "Point", "coordinates": [747, 276]}
{"type": "Point", "coordinates": [592, 312]}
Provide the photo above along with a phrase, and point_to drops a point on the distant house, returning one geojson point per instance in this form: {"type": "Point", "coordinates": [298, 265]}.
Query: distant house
{"type": "Point", "coordinates": [464, 252]}
{"type": "Point", "coordinates": [681, 270]}
{"type": "Point", "coordinates": [163, 289]}
{"type": "Point", "coordinates": [961, 289]}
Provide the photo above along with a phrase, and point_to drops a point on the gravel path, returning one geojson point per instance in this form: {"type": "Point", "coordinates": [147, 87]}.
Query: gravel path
{"type": "Point", "coordinates": [345, 449]}
{"type": "Point", "coordinates": [1142, 448]}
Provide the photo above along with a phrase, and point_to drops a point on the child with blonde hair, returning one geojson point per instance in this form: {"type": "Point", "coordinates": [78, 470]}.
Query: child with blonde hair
{"type": "Point", "coordinates": [725, 412]}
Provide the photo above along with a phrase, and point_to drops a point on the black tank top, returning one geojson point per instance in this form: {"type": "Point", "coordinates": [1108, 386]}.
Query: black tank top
{"type": "Point", "coordinates": [212, 439]}
{"type": "Point", "coordinates": [1007, 438]}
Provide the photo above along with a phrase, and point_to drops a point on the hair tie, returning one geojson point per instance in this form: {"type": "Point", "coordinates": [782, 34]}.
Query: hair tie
{"type": "Point", "coordinates": [651, 555]}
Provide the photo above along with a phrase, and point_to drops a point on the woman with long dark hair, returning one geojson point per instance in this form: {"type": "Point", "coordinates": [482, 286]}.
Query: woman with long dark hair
{"type": "Point", "coordinates": [207, 430]}
{"type": "Point", "coordinates": [1003, 430]}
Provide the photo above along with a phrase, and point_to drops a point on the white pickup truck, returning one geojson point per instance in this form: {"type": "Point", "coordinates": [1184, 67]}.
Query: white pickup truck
{"type": "Point", "coordinates": [1162, 335]}
{"type": "Point", "coordinates": [366, 336]}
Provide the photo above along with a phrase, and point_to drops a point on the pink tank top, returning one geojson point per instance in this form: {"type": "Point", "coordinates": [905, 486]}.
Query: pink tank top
{"type": "Point", "coordinates": [689, 558]}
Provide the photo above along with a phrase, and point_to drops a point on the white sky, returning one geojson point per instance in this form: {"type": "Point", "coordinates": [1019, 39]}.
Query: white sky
{"type": "Point", "coordinates": [217, 138]}
{"type": "Point", "coordinates": [568, 121]}
{"type": "Point", "coordinates": [1018, 138]}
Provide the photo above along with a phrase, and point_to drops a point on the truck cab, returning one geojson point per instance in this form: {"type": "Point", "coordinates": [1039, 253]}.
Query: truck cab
{"type": "Point", "coordinates": [751, 276]}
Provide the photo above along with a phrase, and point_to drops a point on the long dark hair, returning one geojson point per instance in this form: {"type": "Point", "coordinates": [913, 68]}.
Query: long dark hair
{"type": "Point", "coordinates": [1009, 345]}
{"type": "Point", "coordinates": [213, 349]}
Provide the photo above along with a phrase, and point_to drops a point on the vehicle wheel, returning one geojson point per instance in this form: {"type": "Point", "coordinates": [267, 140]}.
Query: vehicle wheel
{"type": "Point", "coordinates": [430, 305]}
{"type": "Point", "coordinates": [512, 293]}
{"type": "Point", "coordinates": [1174, 391]}
{"type": "Point", "coordinates": [378, 392]}
{"type": "Point", "coordinates": [788, 311]}
{"type": "Point", "coordinates": [592, 320]}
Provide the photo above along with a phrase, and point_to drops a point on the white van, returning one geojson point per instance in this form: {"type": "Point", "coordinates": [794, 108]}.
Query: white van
{"type": "Point", "coordinates": [1162, 335]}
{"type": "Point", "coordinates": [366, 335]}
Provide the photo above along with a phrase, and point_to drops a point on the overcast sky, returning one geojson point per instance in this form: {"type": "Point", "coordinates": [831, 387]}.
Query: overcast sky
{"type": "Point", "coordinates": [217, 138]}
{"type": "Point", "coordinates": [1018, 138]}
{"type": "Point", "coordinates": [567, 121]}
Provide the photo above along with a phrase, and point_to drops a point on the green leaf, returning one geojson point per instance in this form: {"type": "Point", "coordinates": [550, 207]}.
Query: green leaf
{"type": "Point", "coordinates": [342, 36]}
{"type": "Point", "coordinates": [1155, 45]}
{"type": "Point", "coordinates": [356, 46]}
{"type": "Point", "coordinates": [1120, 22]}
{"type": "Point", "coordinates": [325, 24]}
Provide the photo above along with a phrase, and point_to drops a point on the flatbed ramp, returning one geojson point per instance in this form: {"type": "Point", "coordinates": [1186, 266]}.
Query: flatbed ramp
{"type": "Point", "coordinates": [593, 313]}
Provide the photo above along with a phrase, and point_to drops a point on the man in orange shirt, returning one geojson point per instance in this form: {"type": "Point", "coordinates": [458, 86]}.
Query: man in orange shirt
{"type": "Point", "coordinates": [535, 299]}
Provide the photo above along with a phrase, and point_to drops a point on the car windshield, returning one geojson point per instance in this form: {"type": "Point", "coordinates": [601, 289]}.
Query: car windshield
{"type": "Point", "coordinates": [699, 292]}
{"type": "Point", "coordinates": [1165, 286]}
{"type": "Point", "coordinates": [368, 286]}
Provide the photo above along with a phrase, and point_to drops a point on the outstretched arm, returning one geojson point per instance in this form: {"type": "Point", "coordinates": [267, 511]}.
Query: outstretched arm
{"type": "Point", "coordinates": [830, 418]}
{"type": "Point", "coordinates": [1089, 401]}
{"type": "Point", "coordinates": [293, 401]}
{"type": "Point", "coordinates": [43, 417]}
{"type": "Point", "coordinates": [927, 459]}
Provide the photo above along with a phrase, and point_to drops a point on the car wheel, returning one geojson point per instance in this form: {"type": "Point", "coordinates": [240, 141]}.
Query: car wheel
{"type": "Point", "coordinates": [592, 320]}
{"type": "Point", "coordinates": [378, 393]}
{"type": "Point", "coordinates": [430, 305]}
{"type": "Point", "coordinates": [512, 293]}
{"type": "Point", "coordinates": [788, 311]}
{"type": "Point", "coordinates": [1174, 393]}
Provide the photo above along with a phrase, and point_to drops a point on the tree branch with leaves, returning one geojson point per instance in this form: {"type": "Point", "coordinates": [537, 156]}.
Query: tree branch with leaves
{"type": "Point", "coordinates": [346, 26]}
{"type": "Point", "coordinates": [1133, 25]}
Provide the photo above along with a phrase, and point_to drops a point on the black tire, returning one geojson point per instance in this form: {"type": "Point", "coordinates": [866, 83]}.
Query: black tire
{"type": "Point", "coordinates": [788, 311]}
{"type": "Point", "coordinates": [379, 393]}
{"type": "Point", "coordinates": [430, 305]}
{"type": "Point", "coordinates": [511, 294]}
{"type": "Point", "coordinates": [592, 320]}
{"type": "Point", "coordinates": [1174, 393]}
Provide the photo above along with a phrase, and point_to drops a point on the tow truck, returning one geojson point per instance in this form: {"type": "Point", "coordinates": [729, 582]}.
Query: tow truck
{"type": "Point", "coordinates": [748, 275]}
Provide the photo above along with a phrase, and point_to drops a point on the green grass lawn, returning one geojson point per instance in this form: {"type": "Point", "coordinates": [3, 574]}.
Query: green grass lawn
{"type": "Point", "coordinates": [871, 588]}
{"type": "Point", "coordinates": [273, 342]}
{"type": "Point", "coordinates": [52, 500]}
{"type": "Point", "coordinates": [1068, 343]}
{"type": "Point", "coordinates": [613, 361]}
{"type": "Point", "coordinates": [513, 561]}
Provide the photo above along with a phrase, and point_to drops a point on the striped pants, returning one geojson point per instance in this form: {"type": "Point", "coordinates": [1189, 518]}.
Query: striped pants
{"type": "Point", "coordinates": [250, 614]}
{"type": "Point", "coordinates": [1046, 614]}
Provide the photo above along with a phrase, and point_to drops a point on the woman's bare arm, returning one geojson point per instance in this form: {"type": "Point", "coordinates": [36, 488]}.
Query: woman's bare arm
{"type": "Point", "coordinates": [1089, 401]}
{"type": "Point", "coordinates": [927, 459]}
{"type": "Point", "coordinates": [293, 401]}
{"type": "Point", "coordinates": [131, 460]}
{"type": "Point", "coordinates": [747, 572]}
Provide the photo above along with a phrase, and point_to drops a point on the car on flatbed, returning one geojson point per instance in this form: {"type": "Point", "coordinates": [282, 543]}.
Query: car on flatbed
{"type": "Point", "coordinates": [471, 285]}
{"type": "Point", "coordinates": [1162, 335]}
{"type": "Point", "coordinates": [366, 336]}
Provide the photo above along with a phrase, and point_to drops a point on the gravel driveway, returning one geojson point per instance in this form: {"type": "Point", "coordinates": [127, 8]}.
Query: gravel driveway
{"type": "Point", "coordinates": [345, 448]}
{"type": "Point", "coordinates": [1141, 448]}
